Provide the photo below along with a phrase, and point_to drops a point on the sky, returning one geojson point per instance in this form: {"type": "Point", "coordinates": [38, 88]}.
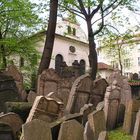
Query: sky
{"type": "Point", "coordinates": [134, 18]}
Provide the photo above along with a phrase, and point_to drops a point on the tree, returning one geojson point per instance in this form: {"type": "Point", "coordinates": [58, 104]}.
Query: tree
{"type": "Point", "coordinates": [50, 35]}
{"type": "Point", "coordinates": [117, 47]}
{"type": "Point", "coordinates": [89, 10]}
{"type": "Point", "coordinates": [18, 22]}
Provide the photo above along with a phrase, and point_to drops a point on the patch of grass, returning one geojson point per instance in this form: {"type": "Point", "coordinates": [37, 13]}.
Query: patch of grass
{"type": "Point", "coordinates": [118, 134]}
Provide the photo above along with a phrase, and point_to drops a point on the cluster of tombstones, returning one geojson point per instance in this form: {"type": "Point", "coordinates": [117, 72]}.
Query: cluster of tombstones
{"type": "Point", "coordinates": [75, 109]}
{"type": "Point", "coordinates": [75, 70]}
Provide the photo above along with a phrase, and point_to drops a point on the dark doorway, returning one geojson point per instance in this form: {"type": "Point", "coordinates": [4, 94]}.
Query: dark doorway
{"type": "Point", "coordinates": [58, 62]}
{"type": "Point", "coordinates": [82, 66]}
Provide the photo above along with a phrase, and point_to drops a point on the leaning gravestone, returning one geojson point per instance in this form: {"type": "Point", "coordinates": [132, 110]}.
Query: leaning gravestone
{"type": "Point", "coordinates": [130, 116]}
{"type": "Point", "coordinates": [46, 109]}
{"type": "Point", "coordinates": [6, 132]}
{"type": "Point", "coordinates": [136, 133]}
{"type": "Point", "coordinates": [79, 94]}
{"type": "Point", "coordinates": [111, 106]}
{"type": "Point", "coordinates": [13, 120]}
{"type": "Point", "coordinates": [64, 88]}
{"type": "Point", "coordinates": [103, 135]}
{"type": "Point", "coordinates": [8, 90]}
{"type": "Point", "coordinates": [96, 121]}
{"type": "Point", "coordinates": [13, 71]}
{"type": "Point", "coordinates": [71, 130]}
{"type": "Point", "coordinates": [36, 130]}
{"type": "Point", "coordinates": [88, 133]}
{"type": "Point", "coordinates": [48, 82]}
{"type": "Point", "coordinates": [98, 91]}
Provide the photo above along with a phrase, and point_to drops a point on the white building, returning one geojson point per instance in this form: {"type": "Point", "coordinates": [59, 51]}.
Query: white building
{"type": "Point", "coordinates": [70, 44]}
{"type": "Point", "coordinates": [130, 62]}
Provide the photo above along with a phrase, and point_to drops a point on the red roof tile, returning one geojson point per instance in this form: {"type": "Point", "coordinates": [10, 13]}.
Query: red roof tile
{"type": "Point", "coordinates": [103, 66]}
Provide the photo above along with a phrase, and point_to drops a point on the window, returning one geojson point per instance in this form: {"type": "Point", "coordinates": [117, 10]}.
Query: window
{"type": "Point", "coordinates": [69, 29]}
{"type": "Point", "coordinates": [58, 62]}
{"type": "Point", "coordinates": [82, 66]}
{"type": "Point", "coordinates": [138, 61]}
{"type": "Point", "coordinates": [74, 31]}
{"type": "Point", "coordinates": [114, 64]}
{"type": "Point", "coordinates": [126, 63]}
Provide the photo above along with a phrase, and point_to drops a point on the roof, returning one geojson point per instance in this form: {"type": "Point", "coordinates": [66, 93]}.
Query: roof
{"type": "Point", "coordinates": [134, 83]}
{"type": "Point", "coordinates": [103, 66]}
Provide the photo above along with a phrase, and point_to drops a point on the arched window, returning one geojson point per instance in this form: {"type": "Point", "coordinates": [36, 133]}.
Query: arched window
{"type": "Point", "coordinates": [82, 66]}
{"type": "Point", "coordinates": [58, 62]}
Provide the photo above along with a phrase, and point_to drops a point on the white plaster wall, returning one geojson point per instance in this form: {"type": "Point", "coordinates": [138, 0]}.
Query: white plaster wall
{"type": "Point", "coordinates": [61, 46]}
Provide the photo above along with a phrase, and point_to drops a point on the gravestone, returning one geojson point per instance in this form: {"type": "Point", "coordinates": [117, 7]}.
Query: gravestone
{"type": "Point", "coordinates": [8, 91]}
{"type": "Point", "coordinates": [6, 132]}
{"type": "Point", "coordinates": [96, 121]}
{"type": "Point", "coordinates": [103, 135]}
{"type": "Point", "coordinates": [13, 120]}
{"type": "Point", "coordinates": [46, 109]}
{"type": "Point", "coordinates": [130, 116]}
{"type": "Point", "coordinates": [71, 130]}
{"type": "Point", "coordinates": [88, 133]}
{"type": "Point", "coordinates": [111, 106]}
{"type": "Point", "coordinates": [48, 82]}
{"type": "Point", "coordinates": [31, 97]}
{"type": "Point", "coordinates": [79, 94]}
{"type": "Point", "coordinates": [64, 88]}
{"type": "Point", "coordinates": [98, 91]}
{"type": "Point", "coordinates": [136, 133]}
{"type": "Point", "coordinates": [36, 130]}
{"type": "Point", "coordinates": [86, 110]}
{"type": "Point", "coordinates": [13, 71]}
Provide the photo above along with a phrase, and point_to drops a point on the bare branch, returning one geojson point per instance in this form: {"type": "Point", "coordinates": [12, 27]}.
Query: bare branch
{"type": "Point", "coordinates": [82, 8]}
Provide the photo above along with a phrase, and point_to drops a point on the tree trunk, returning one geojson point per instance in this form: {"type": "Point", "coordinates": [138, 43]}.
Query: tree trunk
{"type": "Point", "coordinates": [3, 55]}
{"type": "Point", "coordinates": [120, 61]}
{"type": "Point", "coordinates": [50, 36]}
{"type": "Point", "coordinates": [92, 50]}
{"type": "Point", "coordinates": [4, 61]}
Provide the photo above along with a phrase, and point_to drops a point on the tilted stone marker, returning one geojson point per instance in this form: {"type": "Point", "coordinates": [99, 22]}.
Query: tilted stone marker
{"type": "Point", "coordinates": [111, 106]}
{"type": "Point", "coordinates": [96, 121]}
{"type": "Point", "coordinates": [130, 116]}
{"type": "Point", "coordinates": [136, 133]}
{"type": "Point", "coordinates": [13, 120]}
{"type": "Point", "coordinates": [103, 135]}
{"type": "Point", "coordinates": [71, 130]}
{"type": "Point", "coordinates": [48, 82]}
{"type": "Point", "coordinates": [79, 94]}
{"type": "Point", "coordinates": [36, 130]}
{"type": "Point", "coordinates": [46, 109]}
{"type": "Point", "coordinates": [88, 133]}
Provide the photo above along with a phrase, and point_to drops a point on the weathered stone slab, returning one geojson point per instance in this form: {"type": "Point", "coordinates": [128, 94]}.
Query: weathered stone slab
{"type": "Point", "coordinates": [88, 133]}
{"type": "Point", "coordinates": [136, 133]}
{"type": "Point", "coordinates": [71, 130]}
{"type": "Point", "coordinates": [46, 109]}
{"type": "Point", "coordinates": [112, 103]}
{"type": "Point", "coordinates": [79, 94]}
{"type": "Point", "coordinates": [13, 71]}
{"type": "Point", "coordinates": [98, 91]}
{"type": "Point", "coordinates": [130, 116]}
{"type": "Point", "coordinates": [48, 82]}
{"type": "Point", "coordinates": [64, 88]}
{"type": "Point", "coordinates": [6, 132]}
{"type": "Point", "coordinates": [8, 91]}
{"type": "Point", "coordinates": [13, 120]}
{"type": "Point", "coordinates": [103, 135]}
{"type": "Point", "coordinates": [96, 121]}
{"type": "Point", "coordinates": [36, 130]}
{"type": "Point", "coordinates": [31, 97]}
{"type": "Point", "coordinates": [86, 110]}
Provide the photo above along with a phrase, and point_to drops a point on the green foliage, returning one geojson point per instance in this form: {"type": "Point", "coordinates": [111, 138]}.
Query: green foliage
{"type": "Point", "coordinates": [18, 22]}
{"type": "Point", "coordinates": [118, 134]}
